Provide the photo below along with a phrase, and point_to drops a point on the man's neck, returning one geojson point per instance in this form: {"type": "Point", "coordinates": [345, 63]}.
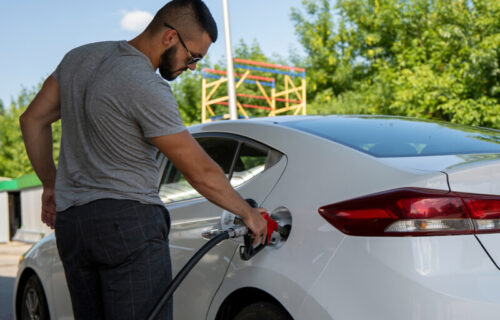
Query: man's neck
{"type": "Point", "coordinates": [144, 44]}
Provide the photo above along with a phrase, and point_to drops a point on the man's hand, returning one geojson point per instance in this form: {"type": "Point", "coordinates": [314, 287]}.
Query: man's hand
{"type": "Point", "coordinates": [48, 207]}
{"type": "Point", "coordinates": [257, 224]}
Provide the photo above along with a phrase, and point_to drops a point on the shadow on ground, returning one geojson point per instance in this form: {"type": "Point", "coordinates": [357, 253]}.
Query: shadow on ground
{"type": "Point", "coordinates": [6, 299]}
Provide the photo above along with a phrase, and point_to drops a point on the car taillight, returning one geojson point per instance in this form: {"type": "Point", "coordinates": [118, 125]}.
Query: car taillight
{"type": "Point", "coordinates": [485, 213]}
{"type": "Point", "coordinates": [415, 212]}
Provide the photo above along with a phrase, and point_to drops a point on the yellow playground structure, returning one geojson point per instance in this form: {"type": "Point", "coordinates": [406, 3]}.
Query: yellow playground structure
{"type": "Point", "coordinates": [286, 97]}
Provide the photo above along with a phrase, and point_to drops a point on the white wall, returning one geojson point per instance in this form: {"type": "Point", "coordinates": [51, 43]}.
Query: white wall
{"type": "Point", "coordinates": [4, 217]}
{"type": "Point", "coordinates": [32, 227]}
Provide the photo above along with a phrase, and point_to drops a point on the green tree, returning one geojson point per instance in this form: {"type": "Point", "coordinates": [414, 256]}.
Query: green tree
{"type": "Point", "coordinates": [187, 92]}
{"type": "Point", "coordinates": [250, 52]}
{"type": "Point", "coordinates": [14, 161]}
{"type": "Point", "coordinates": [426, 58]}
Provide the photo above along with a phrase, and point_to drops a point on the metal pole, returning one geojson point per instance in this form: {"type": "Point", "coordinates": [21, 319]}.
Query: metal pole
{"type": "Point", "coordinates": [229, 62]}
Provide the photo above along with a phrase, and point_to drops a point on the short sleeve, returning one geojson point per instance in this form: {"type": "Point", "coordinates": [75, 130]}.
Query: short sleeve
{"type": "Point", "coordinates": [156, 111]}
{"type": "Point", "coordinates": [57, 73]}
{"type": "Point", "coordinates": [67, 61]}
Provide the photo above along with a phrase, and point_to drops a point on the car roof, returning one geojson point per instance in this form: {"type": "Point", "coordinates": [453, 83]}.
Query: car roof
{"type": "Point", "coordinates": [382, 136]}
{"type": "Point", "coordinates": [335, 117]}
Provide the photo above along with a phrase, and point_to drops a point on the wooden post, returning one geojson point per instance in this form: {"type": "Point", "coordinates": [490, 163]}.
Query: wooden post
{"type": "Point", "coordinates": [203, 100]}
{"type": "Point", "coordinates": [304, 96]}
{"type": "Point", "coordinates": [273, 102]}
{"type": "Point", "coordinates": [287, 104]}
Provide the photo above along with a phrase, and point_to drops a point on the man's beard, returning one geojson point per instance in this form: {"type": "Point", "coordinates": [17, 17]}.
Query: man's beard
{"type": "Point", "coordinates": [166, 67]}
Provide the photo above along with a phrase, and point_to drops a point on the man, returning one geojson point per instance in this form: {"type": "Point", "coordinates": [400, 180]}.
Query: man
{"type": "Point", "coordinates": [116, 112]}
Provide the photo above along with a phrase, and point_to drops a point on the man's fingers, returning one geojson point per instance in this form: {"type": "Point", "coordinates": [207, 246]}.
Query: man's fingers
{"type": "Point", "coordinates": [48, 207]}
{"type": "Point", "coordinates": [258, 226]}
{"type": "Point", "coordinates": [261, 236]}
{"type": "Point", "coordinates": [45, 218]}
{"type": "Point", "coordinates": [52, 219]}
{"type": "Point", "coordinates": [49, 218]}
{"type": "Point", "coordinates": [256, 240]}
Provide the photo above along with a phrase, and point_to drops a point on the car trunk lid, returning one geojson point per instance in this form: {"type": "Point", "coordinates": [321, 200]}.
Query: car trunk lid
{"type": "Point", "coordinates": [480, 174]}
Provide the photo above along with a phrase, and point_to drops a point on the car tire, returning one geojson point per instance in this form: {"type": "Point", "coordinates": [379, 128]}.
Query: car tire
{"type": "Point", "coordinates": [263, 311]}
{"type": "Point", "coordinates": [34, 303]}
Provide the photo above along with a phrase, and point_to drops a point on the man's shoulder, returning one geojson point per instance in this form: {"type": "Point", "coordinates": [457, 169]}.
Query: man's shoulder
{"type": "Point", "coordinates": [94, 47]}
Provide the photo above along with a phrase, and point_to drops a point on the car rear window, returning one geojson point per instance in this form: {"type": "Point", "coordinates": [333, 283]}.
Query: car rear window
{"type": "Point", "coordinates": [400, 137]}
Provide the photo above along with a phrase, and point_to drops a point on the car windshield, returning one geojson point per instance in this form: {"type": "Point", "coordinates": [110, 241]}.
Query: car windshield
{"type": "Point", "coordinates": [400, 137]}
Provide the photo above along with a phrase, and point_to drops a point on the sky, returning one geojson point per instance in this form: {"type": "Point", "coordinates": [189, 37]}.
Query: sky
{"type": "Point", "coordinates": [35, 34]}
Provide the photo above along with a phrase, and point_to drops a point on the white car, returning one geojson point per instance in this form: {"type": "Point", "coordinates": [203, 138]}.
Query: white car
{"type": "Point", "coordinates": [391, 218]}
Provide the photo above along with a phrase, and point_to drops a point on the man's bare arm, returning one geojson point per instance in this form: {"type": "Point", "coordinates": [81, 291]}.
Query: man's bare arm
{"type": "Point", "coordinates": [208, 178]}
{"type": "Point", "coordinates": [36, 127]}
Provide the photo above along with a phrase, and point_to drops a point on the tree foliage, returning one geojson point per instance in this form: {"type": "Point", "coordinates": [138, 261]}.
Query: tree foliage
{"type": "Point", "coordinates": [14, 161]}
{"type": "Point", "coordinates": [435, 59]}
{"type": "Point", "coordinates": [187, 92]}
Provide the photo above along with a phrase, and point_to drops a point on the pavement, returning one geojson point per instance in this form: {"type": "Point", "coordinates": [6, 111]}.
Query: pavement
{"type": "Point", "coordinates": [9, 258]}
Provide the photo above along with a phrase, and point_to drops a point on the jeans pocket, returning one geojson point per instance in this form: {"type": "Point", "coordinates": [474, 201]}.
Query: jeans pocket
{"type": "Point", "coordinates": [165, 222]}
{"type": "Point", "coordinates": [118, 238]}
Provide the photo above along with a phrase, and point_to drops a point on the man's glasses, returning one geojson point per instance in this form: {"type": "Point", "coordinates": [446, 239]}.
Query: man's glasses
{"type": "Point", "coordinates": [192, 59]}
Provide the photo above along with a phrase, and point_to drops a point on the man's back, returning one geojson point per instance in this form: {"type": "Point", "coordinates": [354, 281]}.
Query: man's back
{"type": "Point", "coordinates": [112, 101]}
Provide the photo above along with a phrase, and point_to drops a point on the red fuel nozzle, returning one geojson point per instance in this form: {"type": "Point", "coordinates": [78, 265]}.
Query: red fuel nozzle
{"type": "Point", "coordinates": [271, 226]}
{"type": "Point", "coordinates": [247, 251]}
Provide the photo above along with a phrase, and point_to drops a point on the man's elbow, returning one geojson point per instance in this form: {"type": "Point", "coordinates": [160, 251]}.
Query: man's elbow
{"type": "Point", "coordinates": [206, 178]}
{"type": "Point", "coordinates": [24, 121]}
{"type": "Point", "coordinates": [200, 181]}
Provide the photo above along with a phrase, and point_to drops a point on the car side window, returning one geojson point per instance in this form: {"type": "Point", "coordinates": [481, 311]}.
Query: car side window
{"type": "Point", "coordinates": [239, 158]}
{"type": "Point", "coordinates": [250, 161]}
{"type": "Point", "coordinates": [174, 186]}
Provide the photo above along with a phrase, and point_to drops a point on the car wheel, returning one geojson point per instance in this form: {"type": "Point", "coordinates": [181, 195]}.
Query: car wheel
{"type": "Point", "coordinates": [34, 304]}
{"type": "Point", "coordinates": [263, 311]}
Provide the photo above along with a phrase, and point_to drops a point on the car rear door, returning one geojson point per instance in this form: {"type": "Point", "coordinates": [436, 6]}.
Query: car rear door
{"type": "Point", "coordinates": [253, 170]}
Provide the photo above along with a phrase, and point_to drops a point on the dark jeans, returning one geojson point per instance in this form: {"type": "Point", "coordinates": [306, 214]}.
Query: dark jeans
{"type": "Point", "coordinates": [116, 258]}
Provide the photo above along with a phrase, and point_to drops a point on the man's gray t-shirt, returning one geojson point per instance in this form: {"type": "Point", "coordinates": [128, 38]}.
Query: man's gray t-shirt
{"type": "Point", "coordinates": [112, 102]}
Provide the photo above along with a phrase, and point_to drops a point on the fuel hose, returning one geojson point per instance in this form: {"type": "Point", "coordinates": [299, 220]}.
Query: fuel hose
{"type": "Point", "coordinates": [185, 271]}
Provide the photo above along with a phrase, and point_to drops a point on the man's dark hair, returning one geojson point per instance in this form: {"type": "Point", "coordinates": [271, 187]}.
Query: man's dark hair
{"type": "Point", "coordinates": [188, 16]}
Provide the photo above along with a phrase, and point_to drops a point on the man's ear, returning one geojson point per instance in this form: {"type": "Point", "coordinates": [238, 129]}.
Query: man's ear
{"type": "Point", "coordinates": [169, 38]}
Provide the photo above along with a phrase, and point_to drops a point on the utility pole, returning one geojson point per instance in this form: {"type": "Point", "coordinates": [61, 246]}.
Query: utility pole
{"type": "Point", "coordinates": [231, 92]}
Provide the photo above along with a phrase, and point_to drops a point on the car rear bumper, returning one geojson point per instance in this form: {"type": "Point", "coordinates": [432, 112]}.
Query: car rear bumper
{"type": "Point", "coordinates": [440, 277]}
